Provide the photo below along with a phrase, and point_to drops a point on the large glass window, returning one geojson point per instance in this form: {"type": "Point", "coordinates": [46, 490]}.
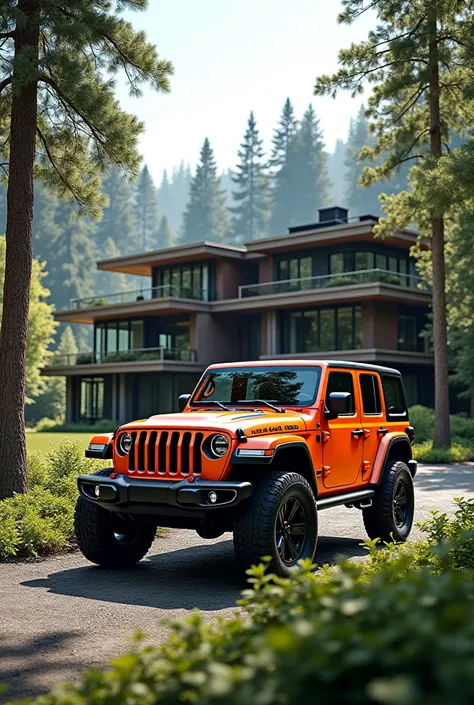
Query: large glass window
{"type": "Point", "coordinates": [118, 336]}
{"type": "Point", "coordinates": [188, 281]}
{"type": "Point", "coordinates": [295, 268]}
{"type": "Point", "coordinates": [92, 399]}
{"type": "Point", "coordinates": [410, 328]}
{"type": "Point", "coordinates": [288, 386]}
{"type": "Point", "coordinates": [324, 329]}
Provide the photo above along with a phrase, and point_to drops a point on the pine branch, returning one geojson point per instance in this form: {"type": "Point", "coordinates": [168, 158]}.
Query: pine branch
{"type": "Point", "coordinates": [67, 103]}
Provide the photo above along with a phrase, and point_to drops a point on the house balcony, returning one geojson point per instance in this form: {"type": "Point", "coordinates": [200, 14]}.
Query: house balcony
{"type": "Point", "coordinates": [143, 360]}
{"type": "Point", "coordinates": [168, 299]}
{"type": "Point", "coordinates": [329, 289]}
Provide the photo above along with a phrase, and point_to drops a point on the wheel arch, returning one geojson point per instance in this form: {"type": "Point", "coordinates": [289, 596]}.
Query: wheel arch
{"type": "Point", "coordinates": [397, 448]}
{"type": "Point", "coordinates": [293, 456]}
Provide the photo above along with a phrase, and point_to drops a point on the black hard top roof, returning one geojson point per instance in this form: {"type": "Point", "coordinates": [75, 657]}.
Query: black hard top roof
{"type": "Point", "coordinates": [363, 366]}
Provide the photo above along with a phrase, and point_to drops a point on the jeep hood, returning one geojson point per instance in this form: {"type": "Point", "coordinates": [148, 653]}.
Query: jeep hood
{"type": "Point", "coordinates": [254, 422]}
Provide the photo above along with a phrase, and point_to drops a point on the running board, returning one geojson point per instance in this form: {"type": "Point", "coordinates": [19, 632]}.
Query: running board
{"type": "Point", "coordinates": [361, 498]}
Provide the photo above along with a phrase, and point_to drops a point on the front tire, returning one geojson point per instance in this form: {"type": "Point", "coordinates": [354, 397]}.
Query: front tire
{"type": "Point", "coordinates": [390, 518]}
{"type": "Point", "coordinates": [108, 540]}
{"type": "Point", "coordinates": [279, 520]}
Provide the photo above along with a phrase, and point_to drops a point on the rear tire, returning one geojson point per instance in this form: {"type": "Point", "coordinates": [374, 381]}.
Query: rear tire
{"type": "Point", "coordinates": [108, 540]}
{"type": "Point", "coordinates": [390, 518]}
{"type": "Point", "coordinates": [280, 520]}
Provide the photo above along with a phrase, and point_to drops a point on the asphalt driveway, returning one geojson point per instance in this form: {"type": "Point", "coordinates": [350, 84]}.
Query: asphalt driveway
{"type": "Point", "coordinates": [61, 615]}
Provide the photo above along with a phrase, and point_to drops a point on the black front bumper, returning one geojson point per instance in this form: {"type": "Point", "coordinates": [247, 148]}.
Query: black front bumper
{"type": "Point", "coordinates": [142, 496]}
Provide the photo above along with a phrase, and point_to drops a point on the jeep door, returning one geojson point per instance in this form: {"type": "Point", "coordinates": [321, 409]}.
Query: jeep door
{"type": "Point", "coordinates": [372, 418]}
{"type": "Point", "coordinates": [343, 447]}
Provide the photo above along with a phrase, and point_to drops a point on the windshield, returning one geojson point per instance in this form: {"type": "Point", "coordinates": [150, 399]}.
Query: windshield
{"type": "Point", "coordinates": [285, 386]}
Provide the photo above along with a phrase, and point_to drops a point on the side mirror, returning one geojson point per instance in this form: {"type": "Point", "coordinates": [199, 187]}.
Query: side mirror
{"type": "Point", "coordinates": [182, 401]}
{"type": "Point", "coordinates": [339, 403]}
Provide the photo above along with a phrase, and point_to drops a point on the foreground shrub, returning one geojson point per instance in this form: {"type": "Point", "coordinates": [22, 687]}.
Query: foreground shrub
{"type": "Point", "coordinates": [41, 522]}
{"type": "Point", "coordinates": [332, 640]}
{"type": "Point", "coordinates": [457, 453]}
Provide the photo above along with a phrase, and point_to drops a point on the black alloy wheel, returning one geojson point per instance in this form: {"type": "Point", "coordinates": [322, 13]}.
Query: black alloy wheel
{"type": "Point", "coordinates": [290, 531]}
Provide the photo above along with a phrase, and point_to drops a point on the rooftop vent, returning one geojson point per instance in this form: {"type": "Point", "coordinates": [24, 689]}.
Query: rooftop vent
{"type": "Point", "coordinates": [327, 216]}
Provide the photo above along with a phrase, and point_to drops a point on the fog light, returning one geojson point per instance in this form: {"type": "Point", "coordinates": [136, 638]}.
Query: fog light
{"type": "Point", "coordinates": [212, 497]}
{"type": "Point", "coordinates": [97, 490]}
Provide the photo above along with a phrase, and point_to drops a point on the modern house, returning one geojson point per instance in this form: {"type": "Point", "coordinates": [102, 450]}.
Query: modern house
{"type": "Point", "coordinates": [325, 290]}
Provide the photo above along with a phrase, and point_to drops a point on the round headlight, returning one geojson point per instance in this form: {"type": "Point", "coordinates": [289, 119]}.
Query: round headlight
{"type": "Point", "coordinates": [219, 445]}
{"type": "Point", "coordinates": [125, 443]}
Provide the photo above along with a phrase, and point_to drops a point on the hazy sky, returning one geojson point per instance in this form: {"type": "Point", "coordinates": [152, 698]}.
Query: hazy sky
{"type": "Point", "coordinates": [233, 56]}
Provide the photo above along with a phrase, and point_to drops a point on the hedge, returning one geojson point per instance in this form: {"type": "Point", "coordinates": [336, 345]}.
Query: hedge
{"type": "Point", "coordinates": [462, 435]}
{"type": "Point", "coordinates": [397, 630]}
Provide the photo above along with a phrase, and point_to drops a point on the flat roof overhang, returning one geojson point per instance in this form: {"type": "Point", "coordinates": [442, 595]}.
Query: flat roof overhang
{"type": "Point", "coordinates": [330, 235]}
{"type": "Point", "coordinates": [149, 307]}
{"type": "Point", "coordinates": [323, 296]}
{"type": "Point", "coordinates": [131, 367]}
{"type": "Point", "coordinates": [142, 263]}
{"type": "Point", "coordinates": [379, 356]}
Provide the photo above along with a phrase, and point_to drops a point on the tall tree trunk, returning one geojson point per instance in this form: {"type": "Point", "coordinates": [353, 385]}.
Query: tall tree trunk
{"type": "Point", "coordinates": [440, 334]}
{"type": "Point", "coordinates": [16, 289]}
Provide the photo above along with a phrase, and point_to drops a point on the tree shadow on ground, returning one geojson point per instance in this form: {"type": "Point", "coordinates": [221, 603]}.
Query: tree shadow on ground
{"type": "Point", "coordinates": [456, 478]}
{"type": "Point", "coordinates": [23, 666]}
{"type": "Point", "coordinates": [206, 577]}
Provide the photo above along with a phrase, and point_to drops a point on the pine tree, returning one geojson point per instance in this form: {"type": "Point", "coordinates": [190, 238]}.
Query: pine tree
{"type": "Point", "coordinates": [164, 195]}
{"type": "Point", "coordinates": [283, 136]}
{"type": "Point", "coordinates": [165, 236]}
{"type": "Point", "coordinates": [146, 209]}
{"type": "Point", "coordinates": [336, 168]}
{"type": "Point", "coordinates": [73, 256]}
{"type": "Point", "coordinates": [416, 57]}
{"type": "Point", "coordinates": [310, 183]}
{"type": "Point", "coordinates": [283, 164]}
{"type": "Point", "coordinates": [252, 209]}
{"type": "Point", "coordinates": [41, 324]}
{"type": "Point", "coordinates": [179, 196]}
{"type": "Point", "coordinates": [60, 120]}
{"type": "Point", "coordinates": [104, 283]}
{"type": "Point", "coordinates": [206, 217]}
{"type": "Point", "coordinates": [118, 221]}
{"type": "Point", "coordinates": [52, 402]}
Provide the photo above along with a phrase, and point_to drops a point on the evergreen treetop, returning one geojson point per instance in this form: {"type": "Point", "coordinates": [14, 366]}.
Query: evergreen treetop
{"type": "Point", "coordinates": [206, 216]}
{"type": "Point", "coordinates": [251, 195]}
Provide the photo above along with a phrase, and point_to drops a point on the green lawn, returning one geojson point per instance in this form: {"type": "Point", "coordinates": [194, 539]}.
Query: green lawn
{"type": "Point", "coordinates": [44, 441]}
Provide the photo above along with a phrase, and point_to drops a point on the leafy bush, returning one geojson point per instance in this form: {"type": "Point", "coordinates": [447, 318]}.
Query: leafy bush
{"type": "Point", "coordinates": [104, 426]}
{"type": "Point", "coordinates": [386, 641]}
{"type": "Point", "coordinates": [41, 522]}
{"type": "Point", "coordinates": [341, 281]}
{"type": "Point", "coordinates": [457, 453]}
{"type": "Point", "coordinates": [422, 418]}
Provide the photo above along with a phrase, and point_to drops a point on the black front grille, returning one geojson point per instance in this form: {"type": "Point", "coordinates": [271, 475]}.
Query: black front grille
{"type": "Point", "coordinates": [166, 453]}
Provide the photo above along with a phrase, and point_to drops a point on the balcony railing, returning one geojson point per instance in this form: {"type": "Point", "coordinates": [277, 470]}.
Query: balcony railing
{"type": "Point", "coordinates": [364, 276]}
{"type": "Point", "coordinates": [95, 358]}
{"type": "Point", "coordinates": [131, 295]}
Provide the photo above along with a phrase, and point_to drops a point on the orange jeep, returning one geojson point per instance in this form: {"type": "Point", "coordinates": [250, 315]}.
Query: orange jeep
{"type": "Point", "coordinates": [257, 449]}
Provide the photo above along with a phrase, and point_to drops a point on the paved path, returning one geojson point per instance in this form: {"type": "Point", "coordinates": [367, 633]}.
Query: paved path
{"type": "Point", "coordinates": [61, 615]}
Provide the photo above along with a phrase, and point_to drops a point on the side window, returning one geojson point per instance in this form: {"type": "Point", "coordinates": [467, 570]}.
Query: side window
{"type": "Point", "coordinates": [341, 382]}
{"type": "Point", "coordinates": [369, 387]}
{"type": "Point", "coordinates": [394, 395]}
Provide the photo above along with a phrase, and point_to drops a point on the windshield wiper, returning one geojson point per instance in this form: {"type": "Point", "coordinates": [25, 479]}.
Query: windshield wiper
{"type": "Point", "coordinates": [217, 403]}
{"type": "Point", "coordinates": [262, 401]}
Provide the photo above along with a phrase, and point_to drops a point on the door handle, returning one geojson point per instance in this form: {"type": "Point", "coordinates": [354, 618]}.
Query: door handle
{"type": "Point", "coordinates": [358, 433]}
{"type": "Point", "coordinates": [382, 431]}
